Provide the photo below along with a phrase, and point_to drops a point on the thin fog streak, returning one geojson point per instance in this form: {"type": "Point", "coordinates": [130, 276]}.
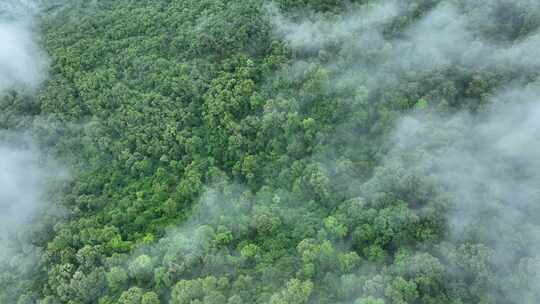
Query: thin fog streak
{"type": "Point", "coordinates": [449, 34]}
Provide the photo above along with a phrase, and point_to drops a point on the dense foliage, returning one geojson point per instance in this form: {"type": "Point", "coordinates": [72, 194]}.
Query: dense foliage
{"type": "Point", "coordinates": [213, 160]}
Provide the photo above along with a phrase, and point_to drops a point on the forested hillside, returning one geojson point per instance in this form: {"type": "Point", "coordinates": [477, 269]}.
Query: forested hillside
{"type": "Point", "coordinates": [271, 151]}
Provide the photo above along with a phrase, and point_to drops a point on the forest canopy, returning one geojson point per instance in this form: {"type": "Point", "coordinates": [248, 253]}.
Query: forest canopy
{"type": "Point", "coordinates": [270, 152]}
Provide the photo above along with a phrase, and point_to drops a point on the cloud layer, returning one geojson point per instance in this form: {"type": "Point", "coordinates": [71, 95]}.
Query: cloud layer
{"type": "Point", "coordinates": [22, 62]}
{"type": "Point", "coordinates": [484, 162]}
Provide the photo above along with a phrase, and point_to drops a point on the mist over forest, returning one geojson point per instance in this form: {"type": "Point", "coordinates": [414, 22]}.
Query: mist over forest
{"type": "Point", "coordinates": [270, 152]}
